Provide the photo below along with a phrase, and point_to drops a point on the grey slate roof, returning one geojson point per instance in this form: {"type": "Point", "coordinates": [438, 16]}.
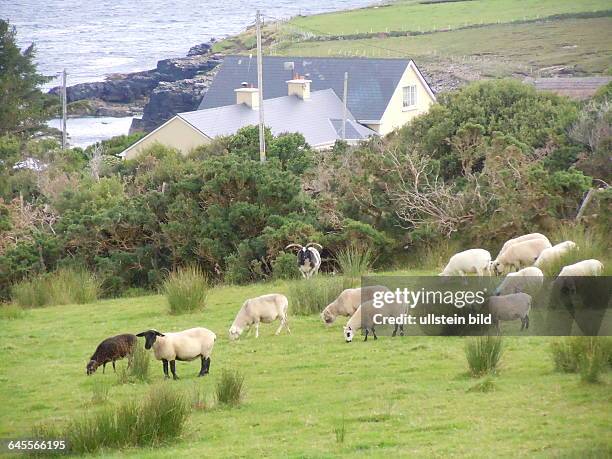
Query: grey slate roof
{"type": "Point", "coordinates": [318, 119]}
{"type": "Point", "coordinates": [371, 82]}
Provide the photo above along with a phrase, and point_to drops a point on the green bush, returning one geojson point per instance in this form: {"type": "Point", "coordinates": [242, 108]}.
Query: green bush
{"type": "Point", "coordinates": [11, 311]}
{"type": "Point", "coordinates": [230, 388]}
{"type": "Point", "coordinates": [311, 296]}
{"type": "Point", "coordinates": [64, 286]}
{"type": "Point", "coordinates": [483, 354]}
{"type": "Point", "coordinates": [157, 419]}
{"type": "Point", "coordinates": [585, 354]}
{"type": "Point", "coordinates": [285, 267]}
{"type": "Point", "coordinates": [186, 290]}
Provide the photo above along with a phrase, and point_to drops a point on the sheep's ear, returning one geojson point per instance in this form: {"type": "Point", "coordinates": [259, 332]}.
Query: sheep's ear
{"type": "Point", "coordinates": [142, 334]}
{"type": "Point", "coordinates": [159, 334]}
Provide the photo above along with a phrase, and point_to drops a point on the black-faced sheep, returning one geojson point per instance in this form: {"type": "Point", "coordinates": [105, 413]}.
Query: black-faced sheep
{"type": "Point", "coordinates": [308, 258]}
{"type": "Point", "coordinates": [185, 346]}
{"type": "Point", "coordinates": [110, 350]}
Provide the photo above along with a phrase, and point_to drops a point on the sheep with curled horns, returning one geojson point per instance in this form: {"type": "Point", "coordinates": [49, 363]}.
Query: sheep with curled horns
{"type": "Point", "coordinates": [308, 258]}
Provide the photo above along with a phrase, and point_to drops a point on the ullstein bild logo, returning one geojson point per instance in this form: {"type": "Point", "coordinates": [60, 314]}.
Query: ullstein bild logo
{"type": "Point", "coordinates": [481, 305]}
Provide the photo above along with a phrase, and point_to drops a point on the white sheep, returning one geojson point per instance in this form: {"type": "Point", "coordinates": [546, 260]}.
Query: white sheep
{"type": "Point", "coordinates": [266, 309]}
{"type": "Point", "coordinates": [530, 278]}
{"type": "Point", "coordinates": [520, 254]}
{"type": "Point", "coordinates": [469, 261]}
{"type": "Point", "coordinates": [364, 317]}
{"type": "Point", "coordinates": [185, 346]}
{"type": "Point", "coordinates": [523, 238]}
{"type": "Point", "coordinates": [554, 253]}
{"type": "Point", "coordinates": [590, 267]}
{"type": "Point", "coordinates": [510, 307]}
{"type": "Point", "coordinates": [348, 301]}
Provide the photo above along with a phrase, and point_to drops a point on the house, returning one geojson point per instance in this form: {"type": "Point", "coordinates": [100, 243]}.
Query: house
{"type": "Point", "coordinates": [574, 87]}
{"type": "Point", "coordinates": [383, 94]}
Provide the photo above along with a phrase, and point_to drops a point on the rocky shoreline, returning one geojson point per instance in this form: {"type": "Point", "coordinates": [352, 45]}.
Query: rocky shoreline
{"type": "Point", "coordinates": [175, 85]}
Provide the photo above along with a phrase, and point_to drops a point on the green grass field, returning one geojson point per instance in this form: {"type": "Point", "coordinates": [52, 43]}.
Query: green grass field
{"type": "Point", "coordinates": [416, 16]}
{"type": "Point", "coordinates": [402, 397]}
{"type": "Point", "coordinates": [582, 45]}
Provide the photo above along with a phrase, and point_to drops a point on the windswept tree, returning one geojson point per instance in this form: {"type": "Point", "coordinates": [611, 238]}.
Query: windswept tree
{"type": "Point", "coordinates": [23, 106]}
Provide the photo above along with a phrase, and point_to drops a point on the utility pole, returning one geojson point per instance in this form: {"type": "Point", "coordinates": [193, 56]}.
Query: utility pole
{"type": "Point", "coordinates": [344, 109]}
{"type": "Point", "coordinates": [64, 111]}
{"type": "Point", "coordinates": [262, 131]}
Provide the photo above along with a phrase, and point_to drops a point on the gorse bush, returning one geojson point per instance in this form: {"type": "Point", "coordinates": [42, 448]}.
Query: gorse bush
{"type": "Point", "coordinates": [483, 354]}
{"type": "Point", "coordinates": [186, 289]}
{"type": "Point", "coordinates": [157, 419]}
{"type": "Point", "coordinates": [64, 286]}
{"type": "Point", "coordinates": [230, 388]}
{"type": "Point", "coordinates": [355, 261]}
{"type": "Point", "coordinates": [285, 267]}
{"type": "Point", "coordinates": [311, 296]}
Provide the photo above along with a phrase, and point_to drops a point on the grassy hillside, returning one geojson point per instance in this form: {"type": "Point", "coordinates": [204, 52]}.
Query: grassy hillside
{"type": "Point", "coordinates": [423, 16]}
{"type": "Point", "coordinates": [398, 397]}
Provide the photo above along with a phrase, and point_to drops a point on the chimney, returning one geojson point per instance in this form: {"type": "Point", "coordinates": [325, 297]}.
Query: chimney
{"type": "Point", "coordinates": [299, 87]}
{"type": "Point", "coordinates": [247, 95]}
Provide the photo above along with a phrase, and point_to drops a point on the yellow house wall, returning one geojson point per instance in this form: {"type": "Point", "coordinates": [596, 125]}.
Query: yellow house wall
{"type": "Point", "coordinates": [176, 133]}
{"type": "Point", "coordinates": [395, 115]}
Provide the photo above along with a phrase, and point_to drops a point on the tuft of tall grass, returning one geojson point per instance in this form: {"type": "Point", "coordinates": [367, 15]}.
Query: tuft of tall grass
{"type": "Point", "coordinates": [588, 355]}
{"type": "Point", "coordinates": [64, 286]}
{"type": "Point", "coordinates": [483, 354]}
{"type": "Point", "coordinates": [311, 296]}
{"type": "Point", "coordinates": [99, 392]}
{"type": "Point", "coordinates": [340, 430]}
{"type": "Point", "coordinates": [156, 419]}
{"type": "Point", "coordinates": [355, 261]}
{"type": "Point", "coordinates": [11, 311]}
{"type": "Point", "coordinates": [230, 388]}
{"type": "Point", "coordinates": [484, 386]}
{"type": "Point", "coordinates": [591, 244]}
{"type": "Point", "coordinates": [186, 289]}
{"type": "Point", "coordinates": [139, 369]}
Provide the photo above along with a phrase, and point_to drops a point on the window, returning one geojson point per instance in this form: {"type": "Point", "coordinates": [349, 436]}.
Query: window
{"type": "Point", "coordinates": [410, 94]}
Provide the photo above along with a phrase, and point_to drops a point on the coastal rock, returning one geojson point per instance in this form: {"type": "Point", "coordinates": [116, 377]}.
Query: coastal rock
{"type": "Point", "coordinates": [201, 49]}
{"type": "Point", "coordinates": [170, 98]}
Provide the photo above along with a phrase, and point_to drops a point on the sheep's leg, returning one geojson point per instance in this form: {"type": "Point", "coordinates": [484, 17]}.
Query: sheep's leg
{"type": "Point", "coordinates": [205, 365]}
{"type": "Point", "coordinates": [173, 369]}
{"type": "Point", "coordinates": [114, 369]}
{"type": "Point", "coordinates": [527, 322]}
{"type": "Point", "coordinates": [394, 331]}
{"type": "Point", "coordinates": [366, 334]}
{"type": "Point", "coordinates": [257, 330]}
{"type": "Point", "coordinates": [165, 364]}
{"type": "Point", "coordinates": [402, 330]}
{"type": "Point", "coordinates": [280, 327]}
{"type": "Point", "coordinates": [374, 333]}
{"type": "Point", "coordinates": [103, 367]}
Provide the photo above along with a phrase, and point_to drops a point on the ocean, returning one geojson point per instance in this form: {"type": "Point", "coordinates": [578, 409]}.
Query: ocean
{"type": "Point", "coordinates": [99, 37]}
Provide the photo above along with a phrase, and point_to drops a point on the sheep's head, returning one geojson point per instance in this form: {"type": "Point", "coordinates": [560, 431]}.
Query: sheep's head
{"type": "Point", "coordinates": [234, 332]}
{"type": "Point", "coordinates": [92, 366]}
{"type": "Point", "coordinates": [150, 337]}
{"type": "Point", "coordinates": [496, 267]}
{"type": "Point", "coordinates": [327, 317]}
{"type": "Point", "coordinates": [348, 334]}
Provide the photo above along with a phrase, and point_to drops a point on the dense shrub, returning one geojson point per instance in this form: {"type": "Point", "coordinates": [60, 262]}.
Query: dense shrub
{"type": "Point", "coordinates": [483, 354]}
{"type": "Point", "coordinates": [587, 355]}
{"type": "Point", "coordinates": [285, 266]}
{"type": "Point", "coordinates": [186, 290]}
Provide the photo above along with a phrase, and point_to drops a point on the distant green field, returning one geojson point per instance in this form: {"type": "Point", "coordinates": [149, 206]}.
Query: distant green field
{"type": "Point", "coordinates": [401, 397]}
{"type": "Point", "coordinates": [584, 45]}
{"type": "Point", "coordinates": [416, 16]}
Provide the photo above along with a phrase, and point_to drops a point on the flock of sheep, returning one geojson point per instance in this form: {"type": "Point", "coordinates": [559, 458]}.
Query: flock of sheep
{"type": "Point", "coordinates": [525, 254]}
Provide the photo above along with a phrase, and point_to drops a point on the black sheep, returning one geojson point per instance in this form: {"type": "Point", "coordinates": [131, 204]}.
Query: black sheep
{"type": "Point", "coordinates": [111, 349]}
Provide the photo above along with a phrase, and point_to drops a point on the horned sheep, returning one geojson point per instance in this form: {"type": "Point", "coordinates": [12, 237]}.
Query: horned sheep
{"type": "Point", "coordinates": [266, 309]}
{"type": "Point", "coordinates": [469, 261]}
{"type": "Point", "coordinates": [308, 258]}
{"type": "Point", "coordinates": [510, 307]}
{"type": "Point", "coordinates": [185, 346]}
{"type": "Point", "coordinates": [523, 253]}
{"type": "Point", "coordinates": [110, 350]}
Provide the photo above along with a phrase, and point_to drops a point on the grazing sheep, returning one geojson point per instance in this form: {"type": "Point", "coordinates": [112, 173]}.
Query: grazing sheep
{"type": "Point", "coordinates": [266, 309]}
{"type": "Point", "coordinates": [184, 346]}
{"type": "Point", "coordinates": [309, 258]}
{"type": "Point", "coordinates": [520, 254]}
{"type": "Point", "coordinates": [469, 261]}
{"type": "Point", "coordinates": [348, 301]}
{"type": "Point", "coordinates": [554, 253]}
{"type": "Point", "coordinates": [523, 238]}
{"type": "Point", "coordinates": [364, 318]}
{"type": "Point", "coordinates": [110, 350]}
{"type": "Point", "coordinates": [590, 267]}
{"type": "Point", "coordinates": [510, 307]}
{"type": "Point", "coordinates": [526, 278]}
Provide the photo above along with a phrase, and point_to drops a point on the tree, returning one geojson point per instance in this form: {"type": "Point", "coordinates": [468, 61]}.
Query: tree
{"type": "Point", "coordinates": [23, 106]}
